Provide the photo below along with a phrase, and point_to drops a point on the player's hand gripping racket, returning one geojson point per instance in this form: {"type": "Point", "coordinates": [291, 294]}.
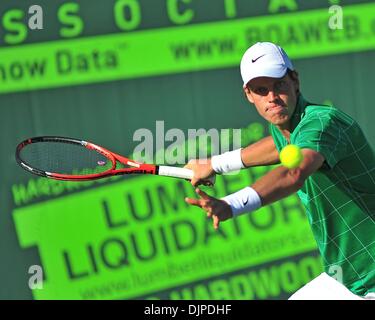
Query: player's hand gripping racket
{"type": "Point", "coordinates": [76, 160]}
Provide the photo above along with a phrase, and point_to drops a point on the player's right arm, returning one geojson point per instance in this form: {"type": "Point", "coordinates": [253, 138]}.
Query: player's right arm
{"type": "Point", "coordinates": [260, 153]}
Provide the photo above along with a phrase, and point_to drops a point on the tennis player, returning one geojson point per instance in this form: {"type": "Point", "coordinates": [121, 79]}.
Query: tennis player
{"type": "Point", "coordinates": [335, 181]}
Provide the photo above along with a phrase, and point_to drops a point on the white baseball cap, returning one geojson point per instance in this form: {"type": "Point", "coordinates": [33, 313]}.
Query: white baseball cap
{"type": "Point", "coordinates": [264, 59]}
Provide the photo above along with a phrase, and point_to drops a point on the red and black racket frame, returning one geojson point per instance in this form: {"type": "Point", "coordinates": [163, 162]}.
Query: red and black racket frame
{"type": "Point", "coordinates": [138, 168]}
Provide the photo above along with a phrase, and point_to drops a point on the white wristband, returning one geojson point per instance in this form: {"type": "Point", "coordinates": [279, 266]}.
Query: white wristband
{"type": "Point", "coordinates": [227, 162]}
{"type": "Point", "coordinates": [245, 200]}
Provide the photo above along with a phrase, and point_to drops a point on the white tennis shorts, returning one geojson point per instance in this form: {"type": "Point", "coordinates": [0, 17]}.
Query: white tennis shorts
{"type": "Point", "coordinates": [325, 287]}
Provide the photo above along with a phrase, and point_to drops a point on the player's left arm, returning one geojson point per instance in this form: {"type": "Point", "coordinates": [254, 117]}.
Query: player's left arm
{"type": "Point", "coordinates": [282, 182]}
{"type": "Point", "coordinates": [275, 185]}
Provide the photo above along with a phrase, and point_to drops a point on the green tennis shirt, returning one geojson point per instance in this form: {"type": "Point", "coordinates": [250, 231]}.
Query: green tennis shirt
{"type": "Point", "coordinates": [340, 197]}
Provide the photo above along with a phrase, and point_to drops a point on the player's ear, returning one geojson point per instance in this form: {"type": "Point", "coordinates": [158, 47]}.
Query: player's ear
{"type": "Point", "coordinates": [248, 94]}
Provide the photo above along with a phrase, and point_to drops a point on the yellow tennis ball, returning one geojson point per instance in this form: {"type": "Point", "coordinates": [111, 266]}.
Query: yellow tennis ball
{"type": "Point", "coordinates": [291, 156]}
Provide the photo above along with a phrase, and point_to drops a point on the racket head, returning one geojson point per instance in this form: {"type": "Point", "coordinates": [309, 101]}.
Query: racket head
{"type": "Point", "coordinates": [64, 158]}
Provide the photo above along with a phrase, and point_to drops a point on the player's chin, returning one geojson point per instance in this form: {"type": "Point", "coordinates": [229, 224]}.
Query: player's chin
{"type": "Point", "coordinates": [279, 119]}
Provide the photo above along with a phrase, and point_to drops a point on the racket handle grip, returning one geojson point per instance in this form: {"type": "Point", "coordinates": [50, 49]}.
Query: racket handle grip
{"type": "Point", "coordinates": [182, 173]}
{"type": "Point", "coordinates": [176, 172]}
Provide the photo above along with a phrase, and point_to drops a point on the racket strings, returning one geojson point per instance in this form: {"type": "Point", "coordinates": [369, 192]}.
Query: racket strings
{"type": "Point", "coordinates": [64, 158]}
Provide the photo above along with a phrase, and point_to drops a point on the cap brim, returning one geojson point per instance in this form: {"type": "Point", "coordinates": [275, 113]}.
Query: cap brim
{"type": "Point", "coordinates": [274, 72]}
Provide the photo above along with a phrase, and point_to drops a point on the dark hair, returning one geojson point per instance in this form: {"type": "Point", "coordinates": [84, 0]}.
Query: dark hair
{"type": "Point", "coordinates": [292, 73]}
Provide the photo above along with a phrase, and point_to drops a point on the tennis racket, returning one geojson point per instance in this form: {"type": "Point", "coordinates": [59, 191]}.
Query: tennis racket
{"type": "Point", "coordinates": [77, 160]}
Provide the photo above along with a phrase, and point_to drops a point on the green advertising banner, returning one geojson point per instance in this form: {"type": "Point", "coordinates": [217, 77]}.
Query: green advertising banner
{"type": "Point", "coordinates": [140, 237]}
{"type": "Point", "coordinates": [181, 49]}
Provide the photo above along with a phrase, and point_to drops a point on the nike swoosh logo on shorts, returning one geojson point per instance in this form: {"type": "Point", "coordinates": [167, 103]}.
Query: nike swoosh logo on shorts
{"type": "Point", "coordinates": [253, 60]}
{"type": "Point", "coordinates": [245, 202]}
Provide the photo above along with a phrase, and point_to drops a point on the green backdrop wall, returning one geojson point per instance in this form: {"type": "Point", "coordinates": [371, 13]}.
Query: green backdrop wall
{"type": "Point", "coordinates": [101, 70]}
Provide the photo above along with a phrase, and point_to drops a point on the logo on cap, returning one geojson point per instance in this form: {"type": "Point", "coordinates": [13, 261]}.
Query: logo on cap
{"type": "Point", "coordinates": [253, 60]}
